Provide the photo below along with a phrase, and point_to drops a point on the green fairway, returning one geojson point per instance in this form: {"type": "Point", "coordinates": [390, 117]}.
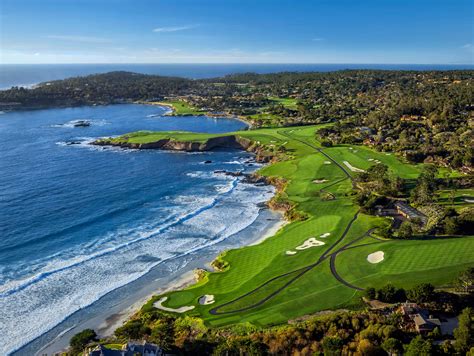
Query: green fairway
{"type": "Point", "coordinates": [181, 108]}
{"type": "Point", "coordinates": [407, 263]}
{"type": "Point", "coordinates": [265, 285]}
{"type": "Point", "coordinates": [290, 103]}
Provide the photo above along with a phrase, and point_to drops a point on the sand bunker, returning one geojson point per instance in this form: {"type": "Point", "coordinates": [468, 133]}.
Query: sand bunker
{"type": "Point", "coordinates": [206, 299]}
{"type": "Point", "coordinates": [327, 162]}
{"type": "Point", "coordinates": [370, 159]}
{"type": "Point", "coordinates": [319, 181]}
{"type": "Point", "coordinates": [325, 235]}
{"type": "Point", "coordinates": [469, 200]}
{"type": "Point", "coordinates": [352, 168]}
{"type": "Point", "coordinates": [290, 253]}
{"type": "Point", "coordinates": [311, 242]}
{"type": "Point", "coordinates": [173, 310]}
{"type": "Point", "coordinates": [375, 257]}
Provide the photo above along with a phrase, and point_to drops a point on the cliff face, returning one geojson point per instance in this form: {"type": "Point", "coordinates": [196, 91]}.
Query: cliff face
{"type": "Point", "coordinates": [230, 141]}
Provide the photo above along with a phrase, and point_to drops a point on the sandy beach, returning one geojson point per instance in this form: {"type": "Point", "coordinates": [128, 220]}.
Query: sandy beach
{"type": "Point", "coordinates": [114, 309]}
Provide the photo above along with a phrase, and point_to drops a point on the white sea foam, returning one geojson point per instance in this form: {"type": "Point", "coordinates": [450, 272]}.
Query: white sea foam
{"type": "Point", "coordinates": [65, 286]}
{"type": "Point", "coordinates": [71, 124]}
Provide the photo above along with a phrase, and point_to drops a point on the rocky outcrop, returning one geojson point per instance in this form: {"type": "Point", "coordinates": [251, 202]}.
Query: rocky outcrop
{"type": "Point", "coordinates": [229, 141]}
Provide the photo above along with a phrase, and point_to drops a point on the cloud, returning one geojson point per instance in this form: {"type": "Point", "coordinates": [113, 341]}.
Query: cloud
{"type": "Point", "coordinates": [85, 39]}
{"type": "Point", "coordinates": [467, 45]}
{"type": "Point", "coordinates": [317, 39]}
{"type": "Point", "coordinates": [174, 28]}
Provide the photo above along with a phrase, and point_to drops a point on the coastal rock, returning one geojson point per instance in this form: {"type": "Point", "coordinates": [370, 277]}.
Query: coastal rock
{"type": "Point", "coordinates": [228, 141]}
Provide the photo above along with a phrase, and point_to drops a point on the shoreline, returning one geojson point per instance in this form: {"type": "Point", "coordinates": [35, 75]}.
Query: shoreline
{"type": "Point", "coordinates": [240, 118]}
{"type": "Point", "coordinates": [186, 279]}
{"type": "Point", "coordinates": [105, 320]}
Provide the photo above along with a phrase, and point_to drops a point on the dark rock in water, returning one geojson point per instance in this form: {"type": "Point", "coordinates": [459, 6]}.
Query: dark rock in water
{"type": "Point", "coordinates": [262, 205]}
{"type": "Point", "coordinates": [81, 123]}
{"type": "Point", "coordinates": [249, 164]}
{"type": "Point", "coordinates": [73, 143]}
{"type": "Point", "coordinates": [207, 162]}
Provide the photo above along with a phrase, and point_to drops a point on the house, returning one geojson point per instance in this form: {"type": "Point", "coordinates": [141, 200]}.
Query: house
{"type": "Point", "coordinates": [418, 318]}
{"type": "Point", "coordinates": [132, 348]}
{"type": "Point", "coordinates": [425, 323]}
{"type": "Point", "coordinates": [409, 212]}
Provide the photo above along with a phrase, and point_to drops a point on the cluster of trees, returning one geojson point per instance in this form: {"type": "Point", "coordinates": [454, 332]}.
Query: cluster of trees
{"type": "Point", "coordinates": [422, 293]}
{"type": "Point", "coordinates": [108, 88]}
{"type": "Point", "coordinates": [342, 333]}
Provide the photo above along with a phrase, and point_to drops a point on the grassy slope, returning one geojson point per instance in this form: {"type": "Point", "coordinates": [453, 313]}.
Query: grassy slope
{"type": "Point", "coordinates": [407, 262]}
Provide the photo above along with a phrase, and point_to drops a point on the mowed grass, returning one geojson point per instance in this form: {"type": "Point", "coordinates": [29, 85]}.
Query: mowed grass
{"type": "Point", "coordinates": [290, 103]}
{"type": "Point", "coordinates": [407, 262]}
{"type": "Point", "coordinates": [181, 107]}
{"type": "Point", "coordinates": [456, 199]}
{"type": "Point", "coordinates": [153, 136]}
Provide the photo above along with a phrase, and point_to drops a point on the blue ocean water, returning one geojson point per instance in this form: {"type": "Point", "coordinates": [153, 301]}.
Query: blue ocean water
{"type": "Point", "coordinates": [29, 74]}
{"type": "Point", "coordinates": [78, 221]}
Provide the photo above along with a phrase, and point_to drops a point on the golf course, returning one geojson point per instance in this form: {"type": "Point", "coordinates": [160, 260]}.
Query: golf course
{"type": "Point", "coordinates": [329, 251]}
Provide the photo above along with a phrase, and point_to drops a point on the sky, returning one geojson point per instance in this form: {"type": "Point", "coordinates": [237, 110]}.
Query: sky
{"type": "Point", "coordinates": [237, 31]}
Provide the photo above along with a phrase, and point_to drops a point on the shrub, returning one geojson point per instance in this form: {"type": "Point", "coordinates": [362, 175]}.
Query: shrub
{"type": "Point", "coordinates": [80, 340]}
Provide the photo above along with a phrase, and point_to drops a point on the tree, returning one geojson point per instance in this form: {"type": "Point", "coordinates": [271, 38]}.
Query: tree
{"type": "Point", "coordinates": [390, 294]}
{"type": "Point", "coordinates": [422, 293]}
{"type": "Point", "coordinates": [370, 293]}
{"type": "Point", "coordinates": [405, 231]}
{"type": "Point", "coordinates": [332, 345]}
{"type": "Point", "coordinates": [392, 346]}
{"type": "Point", "coordinates": [464, 333]}
{"type": "Point", "coordinates": [419, 347]}
{"type": "Point", "coordinates": [81, 340]}
{"type": "Point", "coordinates": [451, 225]}
{"type": "Point", "coordinates": [466, 279]}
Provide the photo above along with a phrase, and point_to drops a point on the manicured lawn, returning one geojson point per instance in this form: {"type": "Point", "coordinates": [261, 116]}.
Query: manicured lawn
{"type": "Point", "coordinates": [182, 108]}
{"type": "Point", "coordinates": [407, 263]}
{"type": "Point", "coordinates": [290, 103]}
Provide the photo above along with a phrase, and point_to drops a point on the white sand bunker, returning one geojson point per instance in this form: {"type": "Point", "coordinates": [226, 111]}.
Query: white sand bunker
{"type": "Point", "coordinates": [327, 162]}
{"type": "Point", "coordinates": [325, 235]}
{"type": "Point", "coordinates": [173, 310]}
{"type": "Point", "coordinates": [469, 200]}
{"type": "Point", "coordinates": [319, 181]}
{"type": "Point", "coordinates": [375, 257]}
{"type": "Point", "coordinates": [370, 159]}
{"type": "Point", "coordinates": [206, 299]}
{"type": "Point", "coordinates": [311, 242]}
{"type": "Point", "coordinates": [290, 253]}
{"type": "Point", "coordinates": [352, 168]}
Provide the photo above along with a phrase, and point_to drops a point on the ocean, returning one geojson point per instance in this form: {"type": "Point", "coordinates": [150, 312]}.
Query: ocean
{"type": "Point", "coordinates": [30, 74]}
{"type": "Point", "coordinates": [79, 222]}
